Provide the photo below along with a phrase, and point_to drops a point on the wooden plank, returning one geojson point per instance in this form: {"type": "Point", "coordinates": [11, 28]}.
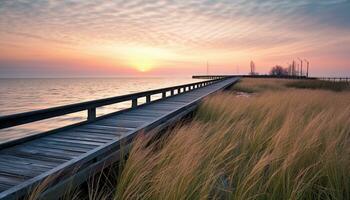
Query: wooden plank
{"type": "Point", "coordinates": [137, 116]}
{"type": "Point", "coordinates": [22, 167]}
{"type": "Point", "coordinates": [163, 108]}
{"type": "Point", "coordinates": [121, 119]}
{"type": "Point", "coordinates": [49, 150]}
{"type": "Point", "coordinates": [35, 157]}
{"type": "Point", "coordinates": [91, 135]}
{"type": "Point", "coordinates": [136, 119]}
{"type": "Point", "coordinates": [12, 158]}
{"type": "Point", "coordinates": [10, 171]}
{"type": "Point", "coordinates": [93, 144]}
{"type": "Point", "coordinates": [82, 138]}
{"type": "Point", "coordinates": [4, 186]}
{"type": "Point", "coordinates": [167, 104]}
{"type": "Point", "coordinates": [145, 114]}
{"type": "Point", "coordinates": [148, 112]}
{"type": "Point", "coordinates": [74, 149]}
{"type": "Point", "coordinates": [32, 152]}
{"type": "Point", "coordinates": [10, 180]}
{"type": "Point", "coordinates": [104, 127]}
{"type": "Point", "coordinates": [63, 144]}
{"type": "Point", "coordinates": [106, 132]}
{"type": "Point", "coordinates": [20, 163]}
{"type": "Point", "coordinates": [122, 123]}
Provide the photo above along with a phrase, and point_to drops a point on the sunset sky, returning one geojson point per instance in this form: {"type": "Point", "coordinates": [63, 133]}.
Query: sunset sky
{"type": "Point", "coordinates": [171, 37]}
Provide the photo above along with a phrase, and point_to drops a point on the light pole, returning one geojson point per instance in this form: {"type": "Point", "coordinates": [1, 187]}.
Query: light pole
{"type": "Point", "coordinates": [289, 69]}
{"type": "Point", "coordinates": [301, 66]}
{"type": "Point", "coordinates": [293, 68]}
{"type": "Point", "coordinates": [307, 69]}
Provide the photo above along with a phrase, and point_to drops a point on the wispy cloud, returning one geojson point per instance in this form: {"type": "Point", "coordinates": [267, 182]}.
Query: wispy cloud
{"type": "Point", "coordinates": [265, 27]}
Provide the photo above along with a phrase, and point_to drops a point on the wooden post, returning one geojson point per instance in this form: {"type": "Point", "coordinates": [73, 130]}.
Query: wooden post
{"type": "Point", "coordinates": [163, 95]}
{"type": "Point", "coordinates": [91, 114]}
{"type": "Point", "coordinates": [172, 92]}
{"type": "Point", "coordinates": [148, 99]}
{"type": "Point", "coordinates": [134, 103]}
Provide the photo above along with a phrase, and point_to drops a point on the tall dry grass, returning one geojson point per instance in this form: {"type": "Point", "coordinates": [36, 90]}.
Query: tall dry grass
{"type": "Point", "coordinates": [251, 85]}
{"type": "Point", "coordinates": [280, 144]}
{"type": "Point", "coordinates": [285, 144]}
{"type": "Point", "coordinates": [254, 85]}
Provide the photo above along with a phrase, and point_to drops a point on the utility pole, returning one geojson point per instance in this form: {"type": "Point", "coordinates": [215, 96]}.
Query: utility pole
{"type": "Point", "coordinates": [289, 69]}
{"type": "Point", "coordinates": [252, 68]}
{"type": "Point", "coordinates": [298, 68]}
{"type": "Point", "coordinates": [307, 69]}
{"type": "Point", "coordinates": [301, 66]}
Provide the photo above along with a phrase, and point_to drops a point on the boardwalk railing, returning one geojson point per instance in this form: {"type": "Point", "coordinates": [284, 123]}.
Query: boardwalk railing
{"type": "Point", "coordinates": [335, 79]}
{"type": "Point", "coordinates": [90, 106]}
{"type": "Point", "coordinates": [331, 79]}
{"type": "Point", "coordinates": [212, 77]}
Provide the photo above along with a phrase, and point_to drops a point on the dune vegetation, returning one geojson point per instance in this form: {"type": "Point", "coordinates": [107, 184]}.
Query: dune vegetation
{"type": "Point", "coordinates": [276, 143]}
{"type": "Point", "coordinates": [279, 144]}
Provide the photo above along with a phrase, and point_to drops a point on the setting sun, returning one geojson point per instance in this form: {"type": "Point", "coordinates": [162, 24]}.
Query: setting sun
{"type": "Point", "coordinates": [142, 64]}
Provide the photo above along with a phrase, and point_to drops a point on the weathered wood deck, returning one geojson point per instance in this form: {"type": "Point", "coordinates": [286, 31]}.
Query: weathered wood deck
{"type": "Point", "coordinates": [90, 146]}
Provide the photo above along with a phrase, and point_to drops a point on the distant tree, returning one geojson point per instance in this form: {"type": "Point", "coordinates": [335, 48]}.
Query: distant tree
{"type": "Point", "coordinates": [279, 71]}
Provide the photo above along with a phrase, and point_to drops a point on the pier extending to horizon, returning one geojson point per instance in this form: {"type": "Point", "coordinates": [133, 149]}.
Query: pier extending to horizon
{"type": "Point", "coordinates": [69, 155]}
{"type": "Point", "coordinates": [329, 79]}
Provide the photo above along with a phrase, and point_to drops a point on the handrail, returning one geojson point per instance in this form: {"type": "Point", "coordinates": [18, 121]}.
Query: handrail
{"type": "Point", "coordinates": [33, 116]}
{"type": "Point", "coordinates": [247, 76]}
{"type": "Point", "coordinates": [335, 79]}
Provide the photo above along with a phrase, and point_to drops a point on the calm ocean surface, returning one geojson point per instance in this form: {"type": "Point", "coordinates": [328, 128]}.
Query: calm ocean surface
{"type": "Point", "coordinates": [22, 95]}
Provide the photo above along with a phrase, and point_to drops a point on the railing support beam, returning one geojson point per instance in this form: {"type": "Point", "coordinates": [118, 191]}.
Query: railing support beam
{"type": "Point", "coordinates": [134, 103]}
{"type": "Point", "coordinates": [148, 99]}
{"type": "Point", "coordinates": [91, 114]}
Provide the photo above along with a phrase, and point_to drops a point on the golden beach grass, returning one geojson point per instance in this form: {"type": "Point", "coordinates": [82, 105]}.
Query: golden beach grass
{"type": "Point", "coordinates": [280, 144]}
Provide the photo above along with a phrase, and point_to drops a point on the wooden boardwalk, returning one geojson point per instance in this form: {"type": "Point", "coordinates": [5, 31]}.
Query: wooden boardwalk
{"type": "Point", "coordinates": [70, 155]}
